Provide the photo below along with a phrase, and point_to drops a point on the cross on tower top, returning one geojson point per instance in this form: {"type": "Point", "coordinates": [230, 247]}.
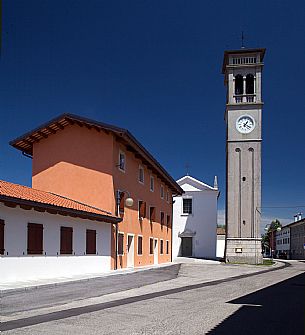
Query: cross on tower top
{"type": "Point", "coordinates": [242, 40]}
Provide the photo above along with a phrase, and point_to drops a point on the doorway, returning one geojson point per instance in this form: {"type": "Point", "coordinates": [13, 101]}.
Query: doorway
{"type": "Point", "coordinates": [186, 246]}
{"type": "Point", "coordinates": [130, 251]}
{"type": "Point", "coordinates": [156, 251]}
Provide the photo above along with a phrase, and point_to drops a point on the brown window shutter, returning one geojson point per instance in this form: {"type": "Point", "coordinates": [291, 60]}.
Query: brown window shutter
{"type": "Point", "coordinates": [2, 237]}
{"type": "Point", "coordinates": [35, 239]}
{"type": "Point", "coordinates": [90, 242]}
{"type": "Point", "coordinates": [66, 240]}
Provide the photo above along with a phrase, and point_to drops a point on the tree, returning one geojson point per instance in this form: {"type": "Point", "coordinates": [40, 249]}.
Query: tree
{"type": "Point", "coordinates": [273, 226]}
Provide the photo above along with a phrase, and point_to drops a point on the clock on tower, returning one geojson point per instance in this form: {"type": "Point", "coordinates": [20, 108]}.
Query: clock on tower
{"type": "Point", "coordinates": [242, 70]}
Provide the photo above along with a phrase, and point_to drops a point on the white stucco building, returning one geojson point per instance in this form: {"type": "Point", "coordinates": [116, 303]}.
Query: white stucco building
{"type": "Point", "coordinates": [195, 219]}
{"type": "Point", "coordinates": [43, 235]}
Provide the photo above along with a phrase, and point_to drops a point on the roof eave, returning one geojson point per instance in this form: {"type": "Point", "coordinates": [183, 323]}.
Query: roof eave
{"type": "Point", "coordinates": [60, 210]}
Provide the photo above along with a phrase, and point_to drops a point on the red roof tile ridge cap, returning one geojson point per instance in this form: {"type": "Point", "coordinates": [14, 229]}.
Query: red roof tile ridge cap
{"type": "Point", "coordinates": [80, 203]}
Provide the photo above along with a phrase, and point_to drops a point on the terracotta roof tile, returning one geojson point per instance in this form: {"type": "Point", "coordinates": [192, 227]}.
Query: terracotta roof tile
{"type": "Point", "coordinates": [10, 190]}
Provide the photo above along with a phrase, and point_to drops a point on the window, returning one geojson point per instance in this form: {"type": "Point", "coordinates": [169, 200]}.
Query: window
{"type": "Point", "coordinates": [120, 244]}
{"type": "Point", "coordinates": [161, 247]}
{"type": "Point", "coordinates": [35, 239]}
{"type": "Point", "coordinates": [187, 206]}
{"type": "Point", "coordinates": [162, 219]}
{"type": "Point", "coordinates": [90, 242]}
{"type": "Point", "coordinates": [66, 240]}
{"type": "Point", "coordinates": [122, 161]}
{"type": "Point", "coordinates": [121, 203]}
{"type": "Point", "coordinates": [141, 175]}
{"type": "Point", "coordinates": [167, 247]}
{"type": "Point", "coordinates": [152, 183]}
{"type": "Point", "coordinates": [239, 85]}
{"type": "Point", "coordinates": [168, 221]}
{"type": "Point", "coordinates": [162, 192]}
{"type": "Point", "coordinates": [142, 209]}
{"type": "Point", "coordinates": [2, 237]}
{"type": "Point", "coordinates": [249, 84]}
{"type": "Point", "coordinates": [140, 245]}
{"type": "Point", "coordinates": [167, 196]}
{"type": "Point", "coordinates": [151, 246]}
{"type": "Point", "coordinates": [152, 214]}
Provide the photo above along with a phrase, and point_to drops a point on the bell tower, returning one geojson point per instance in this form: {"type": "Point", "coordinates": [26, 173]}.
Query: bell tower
{"type": "Point", "coordinates": [242, 71]}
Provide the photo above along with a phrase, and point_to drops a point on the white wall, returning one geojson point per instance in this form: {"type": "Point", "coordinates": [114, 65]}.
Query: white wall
{"type": "Point", "coordinates": [220, 251]}
{"type": "Point", "coordinates": [203, 221]}
{"type": "Point", "coordinates": [16, 265]}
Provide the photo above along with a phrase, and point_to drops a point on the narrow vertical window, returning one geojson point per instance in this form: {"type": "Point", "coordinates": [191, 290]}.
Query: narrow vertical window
{"type": "Point", "coordinates": [35, 239]}
{"type": "Point", "coordinates": [152, 183]}
{"type": "Point", "coordinates": [140, 245]}
{"type": "Point", "coordinates": [2, 237]}
{"type": "Point", "coordinates": [66, 240]}
{"type": "Point", "coordinates": [142, 209]}
{"type": "Point", "coordinates": [90, 242]}
{"type": "Point", "coordinates": [152, 214]}
{"type": "Point", "coordinates": [168, 221]}
{"type": "Point", "coordinates": [151, 246]}
{"type": "Point", "coordinates": [167, 247]}
{"type": "Point", "coordinates": [122, 161]}
{"type": "Point", "coordinates": [239, 85]}
{"type": "Point", "coordinates": [141, 174]}
{"type": "Point", "coordinates": [162, 192]}
{"type": "Point", "coordinates": [187, 207]}
{"type": "Point", "coordinates": [162, 219]}
{"type": "Point", "coordinates": [120, 244]}
{"type": "Point", "coordinates": [161, 247]}
{"type": "Point", "coordinates": [249, 84]}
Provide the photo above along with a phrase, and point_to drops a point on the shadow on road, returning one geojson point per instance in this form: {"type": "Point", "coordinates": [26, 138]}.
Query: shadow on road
{"type": "Point", "coordinates": [278, 309]}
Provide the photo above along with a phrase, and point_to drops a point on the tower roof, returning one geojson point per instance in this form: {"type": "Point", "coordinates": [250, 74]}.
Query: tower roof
{"type": "Point", "coordinates": [240, 52]}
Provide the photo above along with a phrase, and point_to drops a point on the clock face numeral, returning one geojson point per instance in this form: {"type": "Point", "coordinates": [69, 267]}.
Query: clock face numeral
{"type": "Point", "coordinates": [245, 124]}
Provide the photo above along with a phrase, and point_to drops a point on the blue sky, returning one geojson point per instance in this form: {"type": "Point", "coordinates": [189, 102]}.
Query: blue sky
{"type": "Point", "coordinates": [141, 63]}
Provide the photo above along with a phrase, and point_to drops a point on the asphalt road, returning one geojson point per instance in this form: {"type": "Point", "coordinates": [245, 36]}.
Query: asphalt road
{"type": "Point", "coordinates": [200, 299]}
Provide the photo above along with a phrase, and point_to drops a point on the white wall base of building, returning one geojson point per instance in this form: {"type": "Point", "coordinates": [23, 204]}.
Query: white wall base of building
{"type": "Point", "coordinates": [14, 269]}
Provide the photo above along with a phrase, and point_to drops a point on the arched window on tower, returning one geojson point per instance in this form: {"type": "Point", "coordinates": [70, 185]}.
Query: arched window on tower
{"type": "Point", "coordinates": [238, 84]}
{"type": "Point", "coordinates": [249, 84]}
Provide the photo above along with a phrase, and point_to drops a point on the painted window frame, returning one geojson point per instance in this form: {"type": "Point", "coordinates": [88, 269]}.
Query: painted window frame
{"type": "Point", "coordinates": [121, 152]}
{"type": "Point", "coordinates": [139, 236]}
{"type": "Point", "coordinates": [187, 198]}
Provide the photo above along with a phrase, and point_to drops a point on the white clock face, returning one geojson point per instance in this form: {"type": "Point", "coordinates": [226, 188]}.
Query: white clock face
{"type": "Point", "coordinates": [245, 124]}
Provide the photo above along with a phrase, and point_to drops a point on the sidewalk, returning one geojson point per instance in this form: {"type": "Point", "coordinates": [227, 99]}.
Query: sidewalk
{"type": "Point", "coordinates": [202, 273]}
{"type": "Point", "coordinates": [41, 282]}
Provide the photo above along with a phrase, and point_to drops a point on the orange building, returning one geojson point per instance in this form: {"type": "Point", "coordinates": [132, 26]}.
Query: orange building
{"type": "Point", "coordinates": [101, 165]}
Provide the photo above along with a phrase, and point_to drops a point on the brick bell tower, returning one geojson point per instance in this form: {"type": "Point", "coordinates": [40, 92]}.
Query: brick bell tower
{"type": "Point", "coordinates": [242, 71]}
